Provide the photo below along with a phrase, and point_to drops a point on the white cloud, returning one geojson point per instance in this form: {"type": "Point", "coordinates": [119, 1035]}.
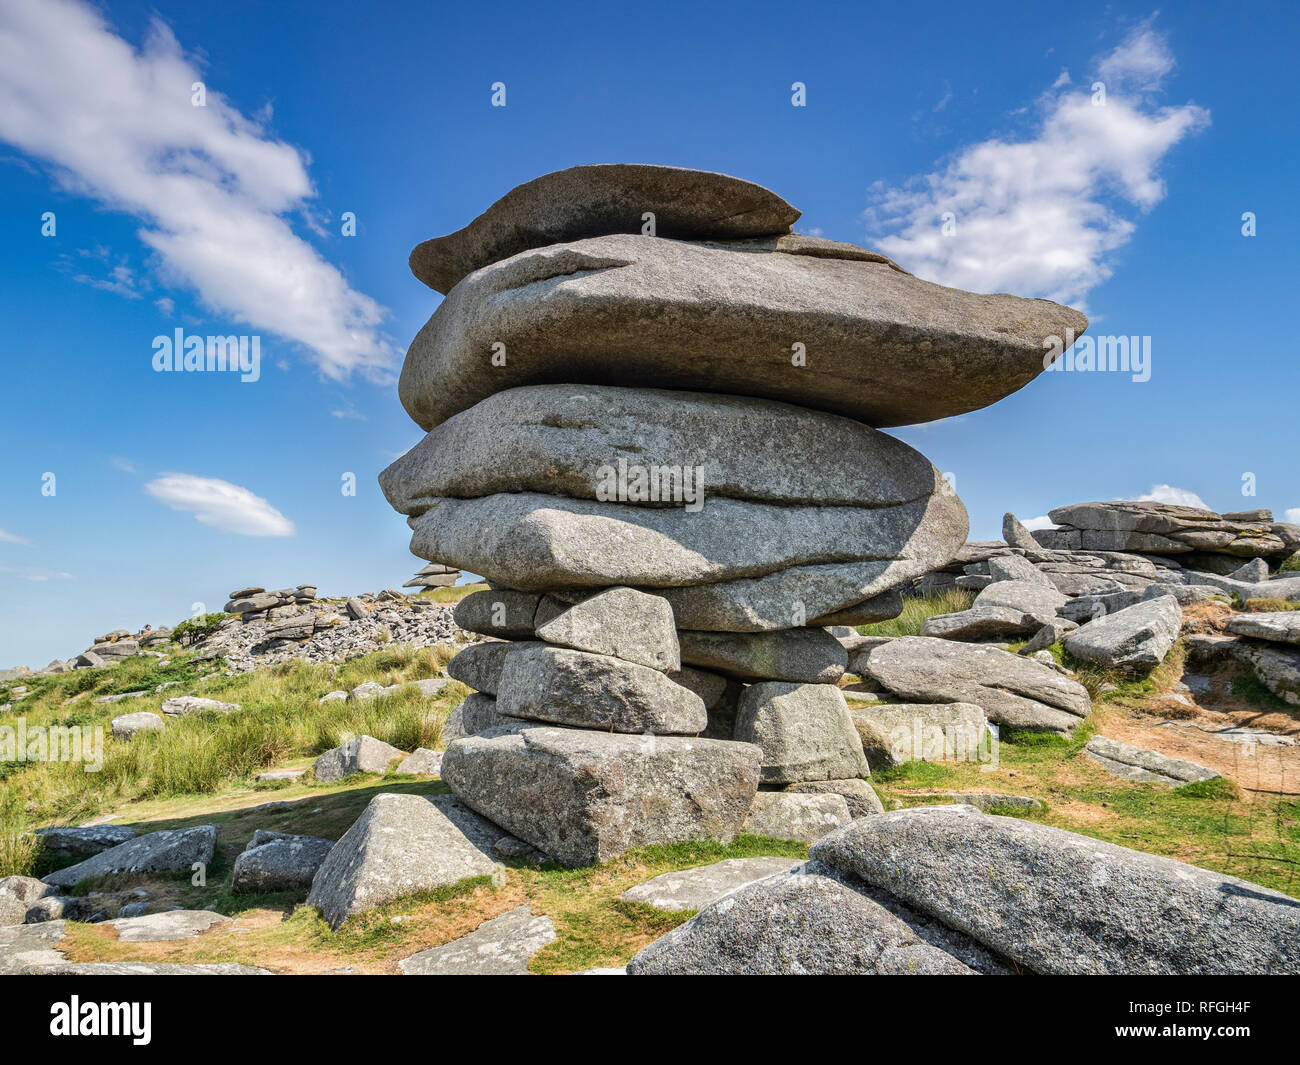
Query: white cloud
{"type": "Point", "coordinates": [35, 573]}
{"type": "Point", "coordinates": [1040, 522]}
{"type": "Point", "coordinates": [1292, 515]}
{"type": "Point", "coordinates": [210, 185]}
{"type": "Point", "coordinates": [6, 537]}
{"type": "Point", "coordinates": [123, 464]}
{"type": "Point", "coordinates": [220, 504]}
{"type": "Point", "coordinates": [1167, 493]}
{"type": "Point", "coordinates": [1039, 216]}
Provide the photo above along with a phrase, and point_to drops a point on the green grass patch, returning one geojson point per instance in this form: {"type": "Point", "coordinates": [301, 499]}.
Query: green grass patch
{"type": "Point", "coordinates": [917, 609]}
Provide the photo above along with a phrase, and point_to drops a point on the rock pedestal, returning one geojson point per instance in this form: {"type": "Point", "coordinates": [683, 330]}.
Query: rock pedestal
{"type": "Point", "coordinates": [663, 455]}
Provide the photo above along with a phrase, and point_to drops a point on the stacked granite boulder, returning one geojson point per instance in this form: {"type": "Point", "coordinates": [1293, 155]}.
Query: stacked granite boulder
{"type": "Point", "coordinates": [434, 575]}
{"type": "Point", "coordinates": [652, 416]}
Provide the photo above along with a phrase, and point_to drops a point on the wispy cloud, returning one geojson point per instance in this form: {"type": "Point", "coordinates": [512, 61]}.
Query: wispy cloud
{"type": "Point", "coordinates": [1039, 215]}
{"type": "Point", "coordinates": [220, 504]}
{"type": "Point", "coordinates": [123, 464]}
{"type": "Point", "coordinates": [35, 573]}
{"type": "Point", "coordinates": [210, 185]}
{"type": "Point", "coordinates": [1292, 515]}
{"type": "Point", "coordinates": [6, 537]}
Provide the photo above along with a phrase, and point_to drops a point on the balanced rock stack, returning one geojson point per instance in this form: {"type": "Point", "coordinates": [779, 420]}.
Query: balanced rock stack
{"type": "Point", "coordinates": [434, 575]}
{"type": "Point", "coordinates": [662, 452]}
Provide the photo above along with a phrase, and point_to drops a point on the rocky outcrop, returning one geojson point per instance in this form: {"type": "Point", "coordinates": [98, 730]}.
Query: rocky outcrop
{"type": "Point", "coordinates": [667, 516]}
{"type": "Point", "coordinates": [1163, 529]}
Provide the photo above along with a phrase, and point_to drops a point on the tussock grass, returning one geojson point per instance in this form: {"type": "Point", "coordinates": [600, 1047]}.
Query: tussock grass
{"type": "Point", "coordinates": [454, 594]}
{"type": "Point", "coordinates": [280, 718]}
{"type": "Point", "coordinates": [916, 609]}
{"type": "Point", "coordinates": [1267, 606]}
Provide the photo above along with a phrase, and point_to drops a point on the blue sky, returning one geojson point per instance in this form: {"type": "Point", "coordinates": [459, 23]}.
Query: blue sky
{"type": "Point", "coordinates": [172, 489]}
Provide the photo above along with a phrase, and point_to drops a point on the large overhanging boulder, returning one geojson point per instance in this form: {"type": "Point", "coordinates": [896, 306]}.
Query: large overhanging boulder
{"type": "Point", "coordinates": [856, 337]}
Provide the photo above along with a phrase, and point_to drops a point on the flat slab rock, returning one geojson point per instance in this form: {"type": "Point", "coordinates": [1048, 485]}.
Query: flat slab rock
{"type": "Point", "coordinates": [562, 440]}
{"type": "Point", "coordinates": [584, 797]}
{"type": "Point", "coordinates": [992, 801]}
{"type": "Point", "coordinates": [810, 920]}
{"type": "Point", "coordinates": [24, 947]}
{"type": "Point", "coordinates": [588, 201]}
{"type": "Point", "coordinates": [1012, 690]}
{"type": "Point", "coordinates": [1282, 626]}
{"type": "Point", "coordinates": [884, 347]}
{"type": "Point", "coordinates": [166, 926]}
{"type": "Point", "coordinates": [1136, 763]}
{"type": "Point", "coordinates": [167, 851]}
{"type": "Point", "coordinates": [1066, 903]}
{"type": "Point", "coordinates": [401, 844]}
{"type": "Point", "coordinates": [126, 726]}
{"type": "Point", "coordinates": [538, 542]}
{"type": "Point", "coordinates": [501, 946]}
{"type": "Point", "coordinates": [693, 889]}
